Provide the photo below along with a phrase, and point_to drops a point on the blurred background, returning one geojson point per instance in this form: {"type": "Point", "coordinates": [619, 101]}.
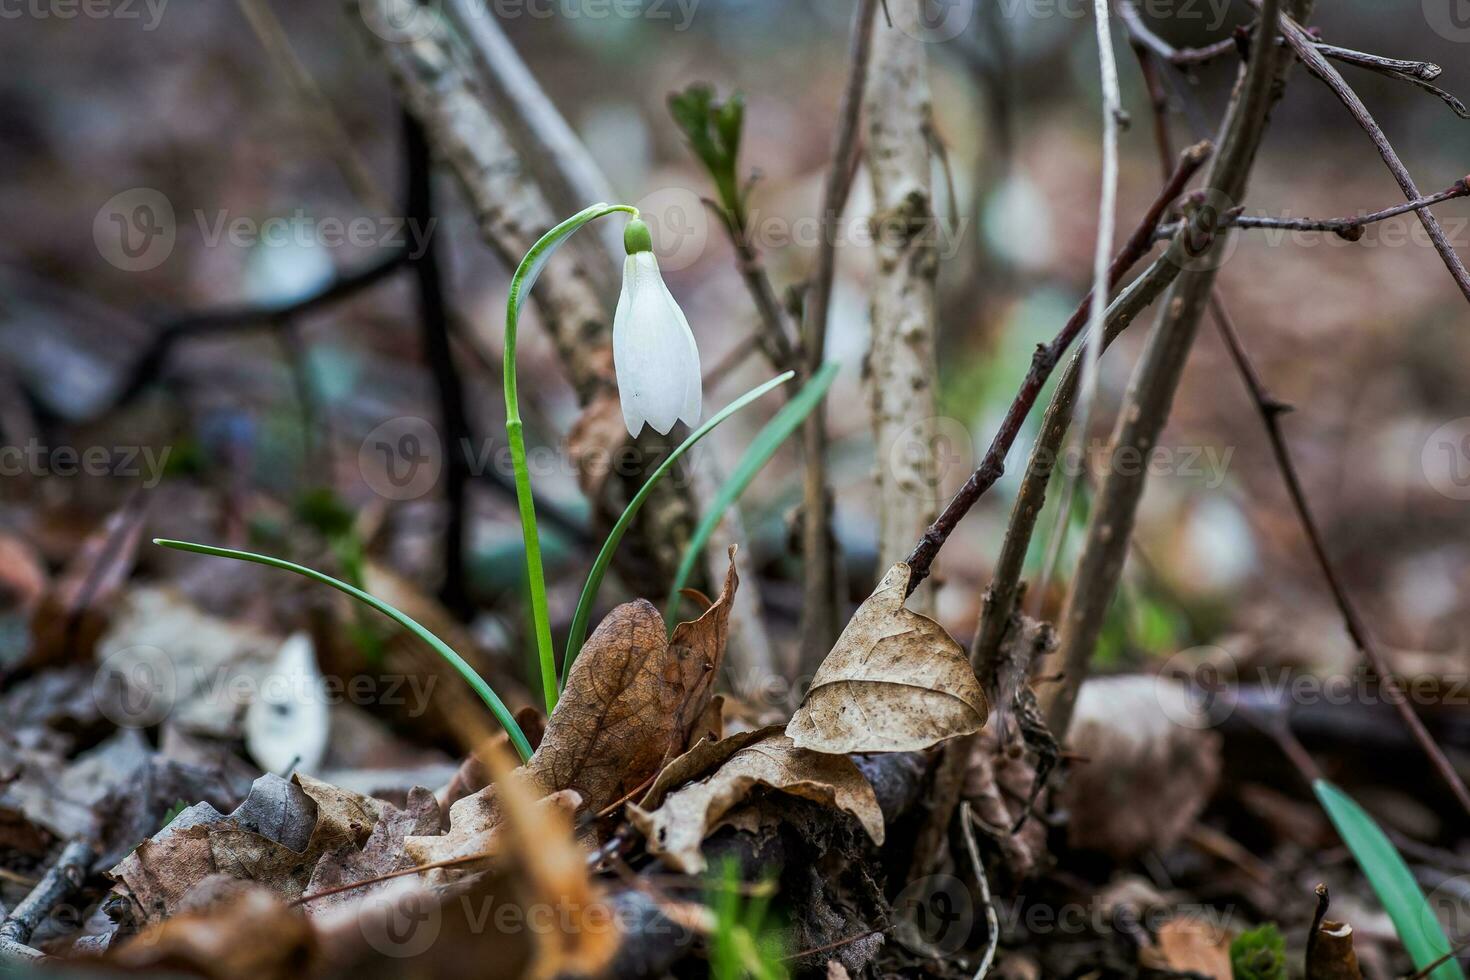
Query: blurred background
{"type": "Point", "coordinates": [106, 106]}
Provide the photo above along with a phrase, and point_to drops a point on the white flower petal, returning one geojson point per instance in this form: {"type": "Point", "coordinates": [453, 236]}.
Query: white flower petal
{"type": "Point", "coordinates": [654, 352]}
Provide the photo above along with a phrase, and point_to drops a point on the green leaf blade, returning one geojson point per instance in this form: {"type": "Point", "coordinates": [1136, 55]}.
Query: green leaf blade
{"type": "Point", "coordinates": [756, 456]}
{"type": "Point", "coordinates": [1402, 898]}
{"type": "Point", "coordinates": [481, 687]}
{"type": "Point", "coordinates": [578, 631]}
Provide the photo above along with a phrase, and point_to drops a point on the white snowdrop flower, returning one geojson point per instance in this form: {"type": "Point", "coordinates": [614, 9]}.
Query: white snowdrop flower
{"type": "Point", "coordinates": [654, 354]}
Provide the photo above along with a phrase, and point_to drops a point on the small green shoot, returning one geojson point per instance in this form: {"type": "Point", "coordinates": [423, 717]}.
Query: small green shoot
{"type": "Point", "coordinates": [1259, 954]}
{"type": "Point", "coordinates": [1412, 915]}
{"type": "Point", "coordinates": [478, 683]}
{"type": "Point", "coordinates": [760, 451]}
{"type": "Point", "coordinates": [578, 631]}
{"type": "Point", "coordinates": [743, 943]}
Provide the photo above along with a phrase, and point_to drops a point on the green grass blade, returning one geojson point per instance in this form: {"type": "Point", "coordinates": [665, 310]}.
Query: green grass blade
{"type": "Point", "coordinates": [1413, 917]}
{"type": "Point", "coordinates": [483, 689]}
{"type": "Point", "coordinates": [760, 451]}
{"type": "Point", "coordinates": [521, 284]}
{"type": "Point", "coordinates": [578, 631]}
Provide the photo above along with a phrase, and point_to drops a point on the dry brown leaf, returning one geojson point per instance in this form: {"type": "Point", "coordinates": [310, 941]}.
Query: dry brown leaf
{"type": "Point", "coordinates": [1191, 945]}
{"type": "Point", "coordinates": [679, 826]}
{"type": "Point", "coordinates": [244, 932]}
{"type": "Point", "coordinates": [274, 838]}
{"type": "Point", "coordinates": [475, 827]}
{"type": "Point", "coordinates": [553, 875]}
{"type": "Point", "coordinates": [383, 852]}
{"type": "Point", "coordinates": [894, 682]}
{"type": "Point", "coordinates": [632, 701]}
{"type": "Point", "coordinates": [77, 607]}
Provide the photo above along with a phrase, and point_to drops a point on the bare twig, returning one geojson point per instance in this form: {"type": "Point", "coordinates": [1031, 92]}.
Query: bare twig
{"type": "Point", "coordinates": [968, 821]}
{"type": "Point", "coordinates": [195, 325]}
{"type": "Point", "coordinates": [819, 611]}
{"type": "Point", "coordinates": [61, 880]}
{"type": "Point", "coordinates": [1271, 410]}
{"type": "Point", "coordinates": [900, 368]}
{"type": "Point", "coordinates": [1306, 50]}
{"type": "Point", "coordinates": [327, 124]}
{"type": "Point", "coordinates": [564, 166]}
{"type": "Point", "coordinates": [1000, 598]}
{"type": "Point", "coordinates": [992, 466]}
{"type": "Point", "coordinates": [434, 320]}
{"type": "Point", "coordinates": [1151, 392]}
{"type": "Point", "coordinates": [1342, 226]}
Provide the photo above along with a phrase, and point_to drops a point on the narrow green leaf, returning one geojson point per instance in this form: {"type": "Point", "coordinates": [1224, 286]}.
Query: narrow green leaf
{"type": "Point", "coordinates": [760, 451]}
{"type": "Point", "coordinates": [483, 689]}
{"type": "Point", "coordinates": [578, 631]}
{"type": "Point", "coordinates": [521, 283]}
{"type": "Point", "coordinates": [1413, 917]}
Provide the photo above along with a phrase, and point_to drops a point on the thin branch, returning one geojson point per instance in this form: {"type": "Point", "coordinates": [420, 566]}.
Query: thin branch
{"type": "Point", "coordinates": [819, 611]}
{"type": "Point", "coordinates": [195, 325]}
{"type": "Point", "coordinates": [61, 880]}
{"type": "Point", "coordinates": [1151, 391]}
{"type": "Point", "coordinates": [1342, 226]}
{"type": "Point", "coordinates": [1306, 50]}
{"type": "Point", "coordinates": [999, 602]}
{"type": "Point", "coordinates": [1271, 410]}
{"type": "Point", "coordinates": [439, 353]}
{"type": "Point", "coordinates": [992, 466]}
{"type": "Point", "coordinates": [992, 921]}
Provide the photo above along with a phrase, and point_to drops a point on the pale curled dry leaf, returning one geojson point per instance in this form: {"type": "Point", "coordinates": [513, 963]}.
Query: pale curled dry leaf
{"type": "Point", "coordinates": [894, 682]}
{"type": "Point", "coordinates": [687, 815]}
{"type": "Point", "coordinates": [287, 724]}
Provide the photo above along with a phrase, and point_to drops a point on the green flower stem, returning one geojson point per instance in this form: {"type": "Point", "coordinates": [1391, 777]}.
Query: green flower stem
{"type": "Point", "coordinates": [578, 630]}
{"type": "Point", "coordinates": [483, 689]}
{"type": "Point", "coordinates": [520, 287]}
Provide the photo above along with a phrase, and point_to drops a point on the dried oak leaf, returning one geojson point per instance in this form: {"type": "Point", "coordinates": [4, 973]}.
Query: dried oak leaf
{"type": "Point", "coordinates": [687, 815]}
{"type": "Point", "coordinates": [633, 699]}
{"type": "Point", "coordinates": [383, 852]}
{"type": "Point", "coordinates": [475, 828]}
{"type": "Point", "coordinates": [274, 838]}
{"type": "Point", "coordinates": [894, 682]}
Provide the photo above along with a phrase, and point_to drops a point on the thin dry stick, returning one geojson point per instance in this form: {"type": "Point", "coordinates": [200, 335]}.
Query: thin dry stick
{"type": "Point", "coordinates": [1342, 226]}
{"type": "Point", "coordinates": [992, 466]}
{"type": "Point", "coordinates": [1112, 111]}
{"type": "Point", "coordinates": [1000, 598]}
{"type": "Point", "coordinates": [1307, 51]}
{"type": "Point", "coordinates": [1151, 392]}
{"type": "Point", "coordinates": [334, 138]}
{"type": "Point", "coordinates": [61, 880]}
{"type": "Point", "coordinates": [1271, 410]}
{"type": "Point", "coordinates": [820, 581]}
{"type": "Point", "coordinates": [968, 821]}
